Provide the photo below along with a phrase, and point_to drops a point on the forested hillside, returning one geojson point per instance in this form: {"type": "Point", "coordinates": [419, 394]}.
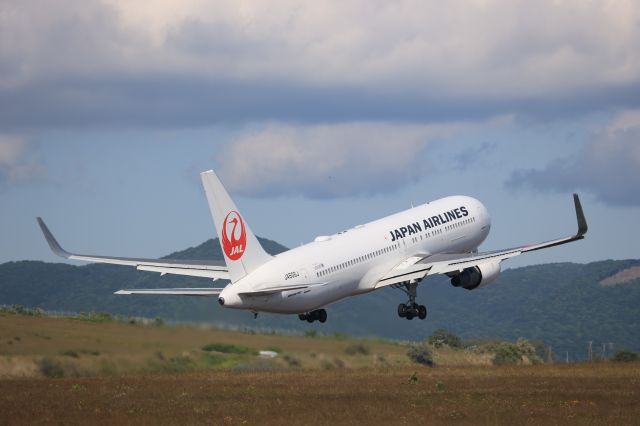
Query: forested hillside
{"type": "Point", "coordinates": [562, 304]}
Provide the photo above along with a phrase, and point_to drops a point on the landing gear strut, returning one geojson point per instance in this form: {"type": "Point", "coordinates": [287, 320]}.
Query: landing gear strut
{"type": "Point", "coordinates": [318, 314]}
{"type": "Point", "coordinates": [411, 309]}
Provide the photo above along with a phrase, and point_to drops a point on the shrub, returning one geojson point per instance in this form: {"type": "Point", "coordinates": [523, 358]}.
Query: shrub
{"type": "Point", "coordinates": [442, 337]}
{"type": "Point", "coordinates": [291, 361]}
{"type": "Point", "coordinates": [506, 353]}
{"type": "Point", "coordinates": [420, 354]}
{"type": "Point", "coordinates": [626, 356]}
{"type": "Point", "coordinates": [357, 349]}
{"type": "Point", "coordinates": [20, 309]}
{"type": "Point", "coordinates": [212, 360]}
{"type": "Point", "coordinates": [93, 317]}
{"type": "Point", "coordinates": [310, 333]}
{"type": "Point", "coordinates": [51, 368]}
{"type": "Point", "coordinates": [180, 363]}
{"type": "Point", "coordinates": [530, 350]}
{"type": "Point", "coordinates": [327, 365]}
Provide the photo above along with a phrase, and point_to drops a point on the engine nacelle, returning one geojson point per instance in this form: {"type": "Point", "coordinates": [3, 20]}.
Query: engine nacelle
{"type": "Point", "coordinates": [477, 276]}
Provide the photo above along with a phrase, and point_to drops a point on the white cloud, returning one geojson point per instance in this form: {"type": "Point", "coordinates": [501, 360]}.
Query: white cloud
{"type": "Point", "coordinates": [329, 160]}
{"type": "Point", "coordinates": [515, 49]}
{"type": "Point", "coordinates": [17, 161]}
{"type": "Point", "coordinates": [608, 166]}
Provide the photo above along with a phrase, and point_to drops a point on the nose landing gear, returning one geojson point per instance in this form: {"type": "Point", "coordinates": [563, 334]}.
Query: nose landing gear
{"type": "Point", "coordinates": [411, 309]}
{"type": "Point", "coordinates": [317, 315]}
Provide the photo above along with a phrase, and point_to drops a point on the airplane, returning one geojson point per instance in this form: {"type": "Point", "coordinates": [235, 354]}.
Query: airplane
{"type": "Point", "coordinates": [401, 250]}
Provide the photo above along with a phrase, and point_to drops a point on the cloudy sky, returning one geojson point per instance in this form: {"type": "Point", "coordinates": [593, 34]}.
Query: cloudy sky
{"type": "Point", "coordinates": [317, 116]}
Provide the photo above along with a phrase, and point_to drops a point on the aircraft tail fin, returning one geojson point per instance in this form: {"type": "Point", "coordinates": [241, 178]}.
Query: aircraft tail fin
{"type": "Point", "coordinates": [240, 247]}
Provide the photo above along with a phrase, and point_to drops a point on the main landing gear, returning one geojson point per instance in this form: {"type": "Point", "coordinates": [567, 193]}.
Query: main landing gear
{"type": "Point", "coordinates": [411, 309]}
{"type": "Point", "coordinates": [317, 315]}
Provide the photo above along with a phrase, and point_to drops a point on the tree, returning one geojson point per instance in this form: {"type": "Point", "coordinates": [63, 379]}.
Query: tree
{"type": "Point", "coordinates": [626, 356]}
{"type": "Point", "coordinates": [442, 337]}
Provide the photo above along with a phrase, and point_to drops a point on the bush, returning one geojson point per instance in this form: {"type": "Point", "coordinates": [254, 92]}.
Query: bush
{"type": "Point", "coordinates": [507, 353]}
{"type": "Point", "coordinates": [357, 349]}
{"type": "Point", "coordinates": [626, 356]}
{"type": "Point", "coordinates": [530, 350]}
{"type": "Point", "coordinates": [291, 361]}
{"type": "Point", "coordinates": [98, 317]}
{"type": "Point", "coordinates": [180, 363]}
{"type": "Point", "coordinates": [310, 333]}
{"type": "Point", "coordinates": [442, 337]}
{"type": "Point", "coordinates": [327, 365]}
{"type": "Point", "coordinates": [51, 368]}
{"type": "Point", "coordinates": [20, 309]}
{"type": "Point", "coordinates": [213, 360]}
{"type": "Point", "coordinates": [420, 354]}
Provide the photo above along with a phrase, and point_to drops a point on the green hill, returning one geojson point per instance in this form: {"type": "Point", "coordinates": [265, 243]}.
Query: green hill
{"type": "Point", "coordinates": [562, 304]}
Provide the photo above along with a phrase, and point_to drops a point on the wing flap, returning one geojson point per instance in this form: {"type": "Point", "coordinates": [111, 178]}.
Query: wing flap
{"type": "Point", "coordinates": [181, 270]}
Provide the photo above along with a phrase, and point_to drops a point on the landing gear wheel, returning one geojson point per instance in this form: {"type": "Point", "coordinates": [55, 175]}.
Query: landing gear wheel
{"type": "Point", "coordinates": [411, 309]}
{"type": "Point", "coordinates": [402, 310]}
{"type": "Point", "coordinates": [422, 312]}
{"type": "Point", "coordinates": [317, 315]}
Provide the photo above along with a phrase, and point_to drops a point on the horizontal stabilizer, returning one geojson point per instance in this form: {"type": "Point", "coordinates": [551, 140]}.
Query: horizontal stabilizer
{"type": "Point", "coordinates": [173, 291]}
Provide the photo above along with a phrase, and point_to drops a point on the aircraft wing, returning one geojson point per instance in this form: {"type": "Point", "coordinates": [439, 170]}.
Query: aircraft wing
{"type": "Point", "coordinates": [418, 267]}
{"type": "Point", "coordinates": [194, 268]}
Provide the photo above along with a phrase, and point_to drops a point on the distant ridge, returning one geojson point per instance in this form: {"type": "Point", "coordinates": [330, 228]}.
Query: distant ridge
{"type": "Point", "coordinates": [210, 250]}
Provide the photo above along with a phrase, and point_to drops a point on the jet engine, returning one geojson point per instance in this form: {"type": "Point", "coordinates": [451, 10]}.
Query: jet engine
{"type": "Point", "coordinates": [477, 276]}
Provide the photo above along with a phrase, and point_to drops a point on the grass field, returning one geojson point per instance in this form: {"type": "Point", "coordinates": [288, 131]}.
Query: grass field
{"type": "Point", "coordinates": [116, 373]}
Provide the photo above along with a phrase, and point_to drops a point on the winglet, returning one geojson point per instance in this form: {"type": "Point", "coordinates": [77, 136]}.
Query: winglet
{"type": "Point", "coordinates": [53, 244]}
{"type": "Point", "coordinates": [582, 221]}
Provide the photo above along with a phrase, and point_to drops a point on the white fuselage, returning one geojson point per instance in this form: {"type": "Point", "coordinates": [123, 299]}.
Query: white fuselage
{"type": "Point", "coordinates": [351, 262]}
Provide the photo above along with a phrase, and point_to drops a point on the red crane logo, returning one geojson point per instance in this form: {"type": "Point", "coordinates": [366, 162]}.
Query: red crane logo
{"type": "Point", "coordinates": [234, 236]}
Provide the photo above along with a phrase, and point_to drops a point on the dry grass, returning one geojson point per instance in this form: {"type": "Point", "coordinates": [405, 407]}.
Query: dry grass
{"type": "Point", "coordinates": [121, 374]}
{"type": "Point", "coordinates": [86, 348]}
{"type": "Point", "coordinates": [554, 394]}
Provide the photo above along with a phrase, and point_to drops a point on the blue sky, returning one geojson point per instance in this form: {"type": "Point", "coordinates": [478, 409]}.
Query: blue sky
{"type": "Point", "coordinates": [317, 118]}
